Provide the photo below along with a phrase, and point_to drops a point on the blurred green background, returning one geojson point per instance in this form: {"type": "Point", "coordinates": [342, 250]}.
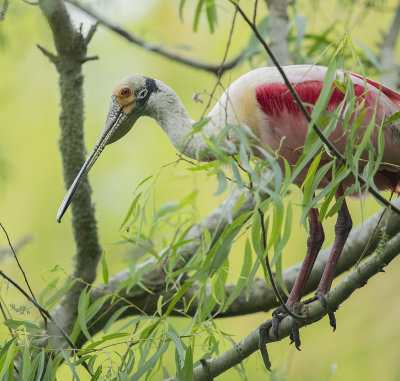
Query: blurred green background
{"type": "Point", "coordinates": [366, 345]}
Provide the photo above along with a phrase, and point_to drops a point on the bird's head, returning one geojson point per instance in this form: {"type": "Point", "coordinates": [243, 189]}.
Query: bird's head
{"type": "Point", "coordinates": [128, 102]}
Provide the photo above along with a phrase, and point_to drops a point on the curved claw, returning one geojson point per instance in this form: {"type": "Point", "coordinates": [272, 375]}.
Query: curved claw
{"type": "Point", "coordinates": [295, 336]}
{"type": "Point", "coordinates": [262, 346]}
{"type": "Point", "coordinates": [332, 319]}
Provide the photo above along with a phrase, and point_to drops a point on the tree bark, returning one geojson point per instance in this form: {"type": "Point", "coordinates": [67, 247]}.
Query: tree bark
{"type": "Point", "coordinates": [390, 68]}
{"type": "Point", "coordinates": [71, 48]}
{"type": "Point", "coordinates": [278, 30]}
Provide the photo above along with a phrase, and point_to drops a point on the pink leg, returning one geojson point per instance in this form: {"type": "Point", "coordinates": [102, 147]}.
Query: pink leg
{"type": "Point", "coordinates": [342, 231]}
{"type": "Point", "coordinates": [314, 243]}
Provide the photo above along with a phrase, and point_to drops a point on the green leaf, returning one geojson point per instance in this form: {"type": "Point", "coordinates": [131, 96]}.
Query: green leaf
{"type": "Point", "coordinates": [97, 375]}
{"type": "Point", "coordinates": [114, 317]}
{"type": "Point", "coordinates": [197, 15]}
{"type": "Point", "coordinates": [371, 56]}
{"type": "Point", "coordinates": [221, 248]}
{"type": "Point", "coordinates": [70, 365]}
{"type": "Point", "coordinates": [246, 267]}
{"type": "Point", "coordinates": [177, 296]}
{"type": "Point", "coordinates": [96, 306]}
{"type": "Point", "coordinates": [131, 209]}
{"type": "Point", "coordinates": [150, 363]}
{"type": "Point", "coordinates": [7, 355]}
{"type": "Point", "coordinates": [211, 14]}
{"type": "Point", "coordinates": [30, 327]}
{"type": "Point", "coordinates": [181, 5]}
{"type": "Point", "coordinates": [222, 183]}
{"type": "Point", "coordinates": [48, 375]}
{"type": "Point", "coordinates": [393, 118]}
{"type": "Point", "coordinates": [256, 234]}
{"type": "Point", "coordinates": [82, 303]}
{"type": "Point", "coordinates": [187, 371]}
{"type": "Point", "coordinates": [40, 366]}
{"type": "Point", "coordinates": [26, 364]}
{"type": "Point", "coordinates": [159, 305]}
{"type": "Point", "coordinates": [59, 294]}
{"type": "Point", "coordinates": [172, 334]}
{"type": "Point", "coordinates": [105, 338]}
{"type": "Point", "coordinates": [104, 267]}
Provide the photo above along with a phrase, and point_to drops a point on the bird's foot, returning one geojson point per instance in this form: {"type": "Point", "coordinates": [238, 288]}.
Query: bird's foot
{"type": "Point", "coordinates": [322, 299]}
{"type": "Point", "coordinates": [278, 315]}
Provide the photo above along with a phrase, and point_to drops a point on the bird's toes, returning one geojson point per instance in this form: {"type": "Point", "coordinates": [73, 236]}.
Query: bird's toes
{"type": "Point", "coordinates": [277, 316]}
{"type": "Point", "coordinates": [295, 334]}
{"type": "Point", "coordinates": [322, 299]}
{"type": "Point", "coordinates": [262, 346]}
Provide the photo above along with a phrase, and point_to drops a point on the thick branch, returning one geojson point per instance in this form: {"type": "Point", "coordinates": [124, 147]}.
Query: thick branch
{"type": "Point", "coordinates": [313, 311]}
{"type": "Point", "coordinates": [390, 69]}
{"type": "Point", "coordinates": [156, 48]}
{"type": "Point", "coordinates": [278, 29]}
{"type": "Point", "coordinates": [71, 52]}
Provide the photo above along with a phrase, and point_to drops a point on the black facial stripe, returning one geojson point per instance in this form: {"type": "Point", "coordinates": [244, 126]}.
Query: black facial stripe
{"type": "Point", "coordinates": [150, 86]}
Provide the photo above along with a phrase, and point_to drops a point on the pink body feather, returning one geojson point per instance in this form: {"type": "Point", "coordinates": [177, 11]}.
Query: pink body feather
{"type": "Point", "coordinates": [285, 127]}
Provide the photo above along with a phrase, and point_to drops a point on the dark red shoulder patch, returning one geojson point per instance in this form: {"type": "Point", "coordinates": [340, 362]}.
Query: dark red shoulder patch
{"type": "Point", "coordinates": [275, 98]}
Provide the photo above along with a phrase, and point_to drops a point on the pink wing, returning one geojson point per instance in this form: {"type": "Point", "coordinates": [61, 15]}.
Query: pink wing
{"type": "Point", "coordinates": [391, 94]}
{"type": "Point", "coordinates": [286, 126]}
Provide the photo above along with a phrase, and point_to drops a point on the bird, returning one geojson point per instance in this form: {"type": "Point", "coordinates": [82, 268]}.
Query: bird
{"type": "Point", "coordinates": [261, 101]}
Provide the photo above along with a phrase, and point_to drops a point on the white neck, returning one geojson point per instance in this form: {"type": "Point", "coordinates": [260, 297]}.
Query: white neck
{"type": "Point", "coordinates": [166, 108]}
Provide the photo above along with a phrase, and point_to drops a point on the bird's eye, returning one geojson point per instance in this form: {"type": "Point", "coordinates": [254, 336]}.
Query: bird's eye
{"type": "Point", "coordinates": [125, 91]}
{"type": "Point", "coordinates": [143, 93]}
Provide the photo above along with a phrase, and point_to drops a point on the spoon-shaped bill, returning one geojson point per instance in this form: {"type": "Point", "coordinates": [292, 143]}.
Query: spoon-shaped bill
{"type": "Point", "coordinates": [114, 119]}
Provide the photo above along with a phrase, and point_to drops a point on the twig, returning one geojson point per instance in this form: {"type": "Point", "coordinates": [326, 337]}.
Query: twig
{"type": "Point", "coordinates": [17, 246]}
{"type": "Point", "coordinates": [159, 49]}
{"type": "Point", "coordinates": [271, 276]}
{"type": "Point", "coordinates": [255, 12]}
{"type": "Point", "coordinates": [43, 311]}
{"type": "Point", "coordinates": [22, 270]}
{"type": "Point", "coordinates": [5, 318]}
{"type": "Point", "coordinates": [320, 134]}
{"type": "Point", "coordinates": [220, 69]}
{"type": "Point", "coordinates": [52, 57]}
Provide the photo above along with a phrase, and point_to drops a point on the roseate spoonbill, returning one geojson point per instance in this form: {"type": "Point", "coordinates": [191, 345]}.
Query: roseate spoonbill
{"type": "Point", "coordinates": [261, 100]}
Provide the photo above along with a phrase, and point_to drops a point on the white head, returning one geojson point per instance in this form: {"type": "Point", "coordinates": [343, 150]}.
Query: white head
{"type": "Point", "coordinates": [132, 98]}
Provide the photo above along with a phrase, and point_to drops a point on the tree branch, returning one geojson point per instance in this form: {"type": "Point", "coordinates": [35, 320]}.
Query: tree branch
{"type": "Point", "coordinates": [215, 223]}
{"type": "Point", "coordinates": [71, 52]}
{"type": "Point", "coordinates": [390, 69]}
{"type": "Point", "coordinates": [313, 311]}
{"type": "Point", "coordinates": [278, 29]}
{"type": "Point", "coordinates": [3, 9]}
{"type": "Point", "coordinates": [363, 239]}
{"type": "Point", "coordinates": [156, 48]}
